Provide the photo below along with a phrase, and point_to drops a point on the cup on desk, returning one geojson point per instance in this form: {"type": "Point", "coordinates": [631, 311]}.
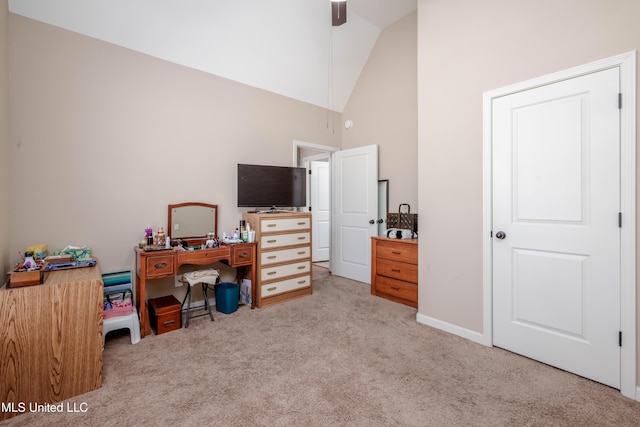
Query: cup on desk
{"type": "Point", "coordinates": [252, 236]}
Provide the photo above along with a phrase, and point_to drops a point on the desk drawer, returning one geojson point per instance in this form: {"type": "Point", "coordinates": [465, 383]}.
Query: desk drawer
{"type": "Point", "coordinates": [242, 255]}
{"type": "Point", "coordinates": [272, 273]}
{"type": "Point", "coordinates": [203, 256]}
{"type": "Point", "coordinates": [397, 270]}
{"type": "Point", "coordinates": [280, 240]}
{"type": "Point", "coordinates": [285, 285]}
{"type": "Point", "coordinates": [160, 266]}
{"type": "Point", "coordinates": [284, 255]}
{"type": "Point", "coordinates": [284, 224]}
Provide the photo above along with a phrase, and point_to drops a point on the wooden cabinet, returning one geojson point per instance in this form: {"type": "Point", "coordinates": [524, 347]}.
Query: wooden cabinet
{"type": "Point", "coordinates": [284, 256]}
{"type": "Point", "coordinates": [394, 269]}
{"type": "Point", "coordinates": [51, 339]}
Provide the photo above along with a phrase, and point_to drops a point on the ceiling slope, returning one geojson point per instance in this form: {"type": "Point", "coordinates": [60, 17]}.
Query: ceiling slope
{"type": "Point", "coordinates": [283, 46]}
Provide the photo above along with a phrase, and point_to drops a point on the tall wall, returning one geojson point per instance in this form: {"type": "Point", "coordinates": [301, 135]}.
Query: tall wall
{"type": "Point", "coordinates": [465, 48]}
{"type": "Point", "coordinates": [103, 138]}
{"type": "Point", "coordinates": [4, 140]}
{"type": "Point", "coordinates": [383, 107]}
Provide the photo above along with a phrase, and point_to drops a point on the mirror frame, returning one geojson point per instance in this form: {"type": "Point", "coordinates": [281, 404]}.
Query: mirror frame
{"type": "Point", "coordinates": [192, 240]}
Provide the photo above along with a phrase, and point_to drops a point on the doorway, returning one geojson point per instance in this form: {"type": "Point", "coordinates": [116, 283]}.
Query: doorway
{"type": "Point", "coordinates": [545, 295]}
{"type": "Point", "coordinates": [316, 159]}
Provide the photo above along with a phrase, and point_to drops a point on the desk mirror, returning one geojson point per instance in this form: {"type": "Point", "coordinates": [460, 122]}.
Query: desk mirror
{"type": "Point", "coordinates": [192, 221]}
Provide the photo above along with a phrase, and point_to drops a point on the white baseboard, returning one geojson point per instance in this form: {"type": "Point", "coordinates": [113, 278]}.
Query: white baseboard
{"type": "Point", "coordinates": [453, 329]}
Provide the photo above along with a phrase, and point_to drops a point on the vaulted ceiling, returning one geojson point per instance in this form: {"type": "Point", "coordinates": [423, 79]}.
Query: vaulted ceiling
{"type": "Point", "coordinates": [284, 46]}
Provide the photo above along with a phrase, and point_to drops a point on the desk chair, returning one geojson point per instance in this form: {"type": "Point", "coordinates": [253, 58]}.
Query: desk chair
{"type": "Point", "coordinates": [208, 278]}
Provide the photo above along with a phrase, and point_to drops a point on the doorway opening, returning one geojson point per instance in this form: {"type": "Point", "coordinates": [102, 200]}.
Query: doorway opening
{"type": "Point", "coordinates": [316, 159]}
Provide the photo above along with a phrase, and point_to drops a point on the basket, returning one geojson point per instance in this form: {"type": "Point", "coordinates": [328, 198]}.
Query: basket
{"type": "Point", "coordinates": [405, 220]}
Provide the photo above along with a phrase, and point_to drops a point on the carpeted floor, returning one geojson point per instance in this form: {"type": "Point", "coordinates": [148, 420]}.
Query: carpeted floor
{"type": "Point", "coordinates": [339, 357]}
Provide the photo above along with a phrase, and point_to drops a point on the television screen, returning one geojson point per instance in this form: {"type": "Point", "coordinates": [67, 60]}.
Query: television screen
{"type": "Point", "coordinates": [271, 186]}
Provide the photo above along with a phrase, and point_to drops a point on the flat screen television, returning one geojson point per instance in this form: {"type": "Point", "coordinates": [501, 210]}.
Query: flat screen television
{"type": "Point", "coordinates": [262, 186]}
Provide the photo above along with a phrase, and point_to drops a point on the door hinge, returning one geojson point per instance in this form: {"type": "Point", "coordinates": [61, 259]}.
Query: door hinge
{"type": "Point", "coordinates": [620, 101]}
{"type": "Point", "coordinates": [620, 219]}
{"type": "Point", "coordinates": [309, 171]}
{"type": "Point", "coordinates": [491, 234]}
{"type": "Point", "coordinates": [620, 338]}
{"type": "Point", "coordinates": [309, 208]}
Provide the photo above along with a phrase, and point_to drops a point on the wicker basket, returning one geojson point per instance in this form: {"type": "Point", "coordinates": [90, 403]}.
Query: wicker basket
{"type": "Point", "coordinates": [405, 220]}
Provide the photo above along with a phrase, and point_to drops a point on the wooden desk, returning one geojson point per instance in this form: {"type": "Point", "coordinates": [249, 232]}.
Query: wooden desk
{"type": "Point", "coordinates": [160, 264]}
{"type": "Point", "coordinates": [51, 338]}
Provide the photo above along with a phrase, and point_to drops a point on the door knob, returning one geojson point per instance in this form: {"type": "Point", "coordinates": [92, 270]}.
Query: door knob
{"type": "Point", "coordinates": [380, 221]}
{"type": "Point", "coordinates": [501, 235]}
{"type": "Point", "coordinates": [372, 221]}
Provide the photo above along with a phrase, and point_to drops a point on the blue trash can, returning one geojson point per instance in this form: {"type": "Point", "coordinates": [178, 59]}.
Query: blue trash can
{"type": "Point", "coordinates": [227, 295]}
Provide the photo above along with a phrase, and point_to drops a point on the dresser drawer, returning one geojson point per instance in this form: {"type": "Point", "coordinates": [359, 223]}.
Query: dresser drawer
{"type": "Point", "coordinates": [397, 288]}
{"type": "Point", "coordinates": [284, 224]}
{"type": "Point", "coordinates": [280, 240]}
{"type": "Point", "coordinates": [395, 250]}
{"type": "Point", "coordinates": [159, 266]}
{"type": "Point", "coordinates": [285, 285]}
{"type": "Point", "coordinates": [284, 255]}
{"type": "Point", "coordinates": [273, 273]}
{"type": "Point", "coordinates": [242, 255]}
{"type": "Point", "coordinates": [397, 270]}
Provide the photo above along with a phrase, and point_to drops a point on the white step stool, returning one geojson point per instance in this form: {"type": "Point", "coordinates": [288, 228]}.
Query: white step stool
{"type": "Point", "coordinates": [128, 321]}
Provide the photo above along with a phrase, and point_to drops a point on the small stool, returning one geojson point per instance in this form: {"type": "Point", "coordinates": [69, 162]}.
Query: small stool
{"type": "Point", "coordinates": [127, 321]}
{"type": "Point", "coordinates": [206, 278]}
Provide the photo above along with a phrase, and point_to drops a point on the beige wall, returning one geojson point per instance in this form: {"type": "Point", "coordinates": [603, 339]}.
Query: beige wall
{"type": "Point", "coordinates": [4, 140]}
{"type": "Point", "coordinates": [466, 47]}
{"type": "Point", "coordinates": [383, 108]}
{"type": "Point", "coordinates": [102, 139]}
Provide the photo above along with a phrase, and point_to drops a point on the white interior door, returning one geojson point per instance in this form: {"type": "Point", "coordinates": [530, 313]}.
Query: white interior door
{"type": "Point", "coordinates": [321, 210]}
{"type": "Point", "coordinates": [556, 235]}
{"type": "Point", "coordinates": [355, 207]}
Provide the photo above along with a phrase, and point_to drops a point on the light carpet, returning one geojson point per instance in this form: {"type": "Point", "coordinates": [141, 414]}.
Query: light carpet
{"type": "Point", "coordinates": [339, 357]}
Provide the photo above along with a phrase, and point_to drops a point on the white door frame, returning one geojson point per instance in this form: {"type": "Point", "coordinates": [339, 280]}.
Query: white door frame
{"type": "Point", "coordinates": [324, 152]}
{"type": "Point", "coordinates": [628, 308]}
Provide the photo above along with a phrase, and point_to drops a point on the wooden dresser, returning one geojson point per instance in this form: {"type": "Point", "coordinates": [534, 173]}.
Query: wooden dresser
{"type": "Point", "coordinates": [284, 255]}
{"type": "Point", "coordinates": [51, 339]}
{"type": "Point", "coordinates": [394, 269]}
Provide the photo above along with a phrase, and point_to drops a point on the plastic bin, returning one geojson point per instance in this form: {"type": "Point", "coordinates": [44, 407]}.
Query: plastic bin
{"type": "Point", "coordinates": [227, 295]}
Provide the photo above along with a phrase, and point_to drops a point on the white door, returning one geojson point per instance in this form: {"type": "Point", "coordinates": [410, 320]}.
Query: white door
{"type": "Point", "coordinates": [321, 211]}
{"type": "Point", "coordinates": [556, 236]}
{"type": "Point", "coordinates": [355, 207]}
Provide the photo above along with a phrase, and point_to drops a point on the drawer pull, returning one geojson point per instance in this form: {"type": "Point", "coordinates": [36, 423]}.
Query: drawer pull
{"type": "Point", "coordinates": [396, 252]}
{"type": "Point", "coordinates": [395, 289]}
{"type": "Point", "coordinates": [302, 282]}
{"type": "Point", "coordinates": [271, 241]}
{"type": "Point", "coordinates": [272, 288]}
{"type": "Point", "coordinates": [271, 273]}
{"type": "Point", "coordinates": [160, 265]}
{"type": "Point", "coordinates": [272, 257]}
{"type": "Point", "coordinates": [302, 223]}
{"type": "Point", "coordinates": [243, 255]}
{"type": "Point", "coordinates": [302, 252]}
{"type": "Point", "coordinates": [272, 225]}
{"type": "Point", "coordinates": [169, 322]}
{"type": "Point", "coordinates": [302, 267]}
{"type": "Point", "coordinates": [395, 270]}
{"type": "Point", "coordinates": [302, 238]}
